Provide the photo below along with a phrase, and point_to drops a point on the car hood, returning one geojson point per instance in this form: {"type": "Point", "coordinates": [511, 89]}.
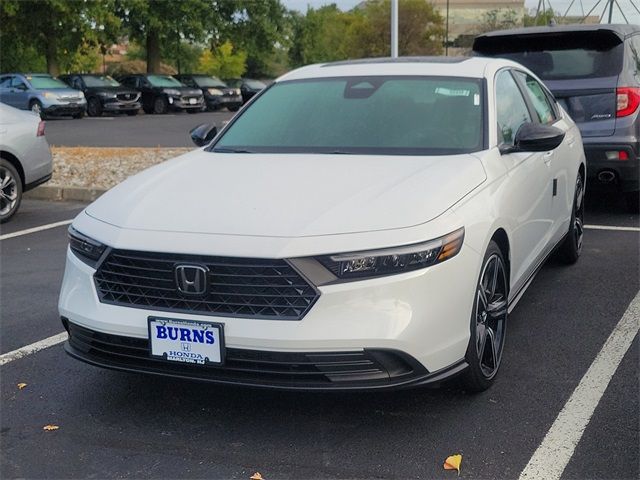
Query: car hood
{"type": "Point", "coordinates": [62, 92]}
{"type": "Point", "coordinates": [118, 89]}
{"type": "Point", "coordinates": [288, 195]}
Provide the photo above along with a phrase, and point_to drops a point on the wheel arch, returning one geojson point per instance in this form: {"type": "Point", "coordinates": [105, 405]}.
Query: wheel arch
{"type": "Point", "coordinates": [13, 160]}
{"type": "Point", "coordinates": [501, 238]}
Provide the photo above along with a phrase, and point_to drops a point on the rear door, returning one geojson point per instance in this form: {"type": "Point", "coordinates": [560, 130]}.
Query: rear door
{"type": "Point", "coordinates": [581, 69]}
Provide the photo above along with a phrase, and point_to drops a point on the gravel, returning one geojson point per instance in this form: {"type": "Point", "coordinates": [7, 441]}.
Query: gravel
{"type": "Point", "coordinates": [102, 168]}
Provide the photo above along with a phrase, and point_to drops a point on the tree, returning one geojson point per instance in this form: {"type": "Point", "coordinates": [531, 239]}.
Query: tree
{"type": "Point", "coordinates": [224, 62]}
{"type": "Point", "coordinates": [420, 29]}
{"type": "Point", "coordinates": [56, 27]}
{"type": "Point", "coordinates": [158, 23]}
{"type": "Point", "coordinates": [540, 19]}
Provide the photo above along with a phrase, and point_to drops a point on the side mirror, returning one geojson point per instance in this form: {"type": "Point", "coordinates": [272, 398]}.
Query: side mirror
{"type": "Point", "coordinates": [535, 137]}
{"type": "Point", "coordinates": [203, 134]}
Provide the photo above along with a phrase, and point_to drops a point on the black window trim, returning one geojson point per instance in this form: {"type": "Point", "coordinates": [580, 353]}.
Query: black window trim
{"type": "Point", "coordinates": [527, 102]}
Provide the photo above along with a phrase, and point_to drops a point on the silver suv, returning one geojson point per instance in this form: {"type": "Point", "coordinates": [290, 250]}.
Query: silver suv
{"type": "Point", "coordinates": [594, 73]}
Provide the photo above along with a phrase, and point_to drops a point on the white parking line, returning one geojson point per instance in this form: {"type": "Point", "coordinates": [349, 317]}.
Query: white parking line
{"type": "Point", "coordinates": [612, 228]}
{"type": "Point", "coordinates": [33, 348]}
{"type": "Point", "coordinates": [557, 447]}
{"type": "Point", "coordinates": [35, 229]}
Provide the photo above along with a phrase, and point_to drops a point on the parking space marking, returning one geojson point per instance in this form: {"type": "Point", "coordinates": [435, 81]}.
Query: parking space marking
{"type": "Point", "coordinates": [33, 348]}
{"type": "Point", "coordinates": [612, 228]}
{"type": "Point", "coordinates": [35, 229]}
{"type": "Point", "coordinates": [558, 445]}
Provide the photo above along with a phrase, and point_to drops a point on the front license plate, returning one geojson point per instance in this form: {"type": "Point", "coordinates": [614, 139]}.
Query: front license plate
{"type": "Point", "coordinates": [193, 101]}
{"type": "Point", "coordinates": [186, 341]}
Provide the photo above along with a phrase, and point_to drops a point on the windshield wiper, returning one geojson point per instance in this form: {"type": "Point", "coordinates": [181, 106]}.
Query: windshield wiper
{"type": "Point", "coordinates": [231, 150]}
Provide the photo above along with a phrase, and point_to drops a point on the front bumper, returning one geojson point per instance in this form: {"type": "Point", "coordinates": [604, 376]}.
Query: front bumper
{"type": "Point", "coordinates": [61, 109]}
{"type": "Point", "coordinates": [220, 101]}
{"type": "Point", "coordinates": [179, 103]}
{"type": "Point", "coordinates": [420, 318]}
{"type": "Point", "coordinates": [627, 172]}
{"type": "Point", "coordinates": [119, 106]}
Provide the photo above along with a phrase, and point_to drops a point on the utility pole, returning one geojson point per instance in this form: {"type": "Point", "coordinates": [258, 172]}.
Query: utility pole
{"type": "Point", "coordinates": [394, 28]}
{"type": "Point", "coordinates": [610, 10]}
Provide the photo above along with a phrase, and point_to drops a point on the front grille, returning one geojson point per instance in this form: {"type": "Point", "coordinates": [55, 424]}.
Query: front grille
{"type": "Point", "coordinates": [251, 367]}
{"type": "Point", "coordinates": [237, 287]}
{"type": "Point", "coordinates": [67, 98]}
{"type": "Point", "coordinates": [127, 97]}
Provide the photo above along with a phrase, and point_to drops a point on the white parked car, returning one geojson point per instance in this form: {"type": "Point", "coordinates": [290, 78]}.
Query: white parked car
{"type": "Point", "coordinates": [359, 225]}
{"type": "Point", "coordinates": [25, 158]}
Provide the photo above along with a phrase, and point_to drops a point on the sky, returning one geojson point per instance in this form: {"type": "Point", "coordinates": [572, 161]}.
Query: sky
{"type": "Point", "coordinates": [558, 5]}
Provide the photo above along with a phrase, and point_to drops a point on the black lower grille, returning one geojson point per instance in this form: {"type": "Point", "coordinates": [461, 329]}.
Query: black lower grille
{"type": "Point", "coordinates": [251, 367]}
{"type": "Point", "coordinates": [127, 97]}
{"type": "Point", "coordinates": [235, 287]}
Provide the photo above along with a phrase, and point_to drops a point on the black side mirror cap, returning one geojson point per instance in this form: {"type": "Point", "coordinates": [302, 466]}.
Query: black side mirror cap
{"type": "Point", "coordinates": [535, 137]}
{"type": "Point", "coordinates": [203, 134]}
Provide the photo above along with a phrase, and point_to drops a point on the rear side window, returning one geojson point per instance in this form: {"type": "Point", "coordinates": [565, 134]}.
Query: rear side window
{"type": "Point", "coordinates": [562, 55]}
{"type": "Point", "coordinates": [5, 82]}
{"type": "Point", "coordinates": [538, 98]}
{"type": "Point", "coordinates": [511, 108]}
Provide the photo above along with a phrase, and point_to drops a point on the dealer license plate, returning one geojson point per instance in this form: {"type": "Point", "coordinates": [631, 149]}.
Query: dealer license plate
{"type": "Point", "coordinates": [186, 341]}
{"type": "Point", "coordinates": [193, 101]}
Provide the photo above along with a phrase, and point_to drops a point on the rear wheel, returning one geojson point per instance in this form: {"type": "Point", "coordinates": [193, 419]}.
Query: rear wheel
{"type": "Point", "coordinates": [160, 105]}
{"type": "Point", "coordinates": [94, 107]}
{"type": "Point", "coordinates": [488, 322]}
{"type": "Point", "coordinates": [572, 246]}
{"type": "Point", "coordinates": [10, 190]}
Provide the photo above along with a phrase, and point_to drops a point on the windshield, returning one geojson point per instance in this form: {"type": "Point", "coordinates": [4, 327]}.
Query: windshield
{"type": "Point", "coordinates": [40, 83]}
{"type": "Point", "coordinates": [163, 81]}
{"type": "Point", "coordinates": [369, 115]}
{"type": "Point", "coordinates": [99, 81]}
{"type": "Point", "coordinates": [209, 82]}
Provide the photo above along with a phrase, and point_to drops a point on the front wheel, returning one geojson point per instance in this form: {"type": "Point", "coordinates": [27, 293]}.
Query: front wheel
{"type": "Point", "coordinates": [488, 322]}
{"type": "Point", "coordinates": [94, 107]}
{"type": "Point", "coordinates": [572, 246]}
{"type": "Point", "coordinates": [160, 105]}
{"type": "Point", "coordinates": [10, 190]}
{"type": "Point", "coordinates": [36, 107]}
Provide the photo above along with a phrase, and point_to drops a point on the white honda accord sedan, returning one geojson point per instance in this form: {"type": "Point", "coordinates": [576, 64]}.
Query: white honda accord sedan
{"type": "Point", "coordinates": [358, 225]}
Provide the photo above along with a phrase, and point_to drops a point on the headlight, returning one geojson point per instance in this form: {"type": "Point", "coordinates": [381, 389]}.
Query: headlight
{"type": "Point", "coordinates": [81, 94]}
{"type": "Point", "coordinates": [86, 249]}
{"type": "Point", "coordinates": [50, 95]}
{"type": "Point", "coordinates": [237, 91]}
{"type": "Point", "coordinates": [390, 261]}
{"type": "Point", "coordinates": [214, 91]}
{"type": "Point", "coordinates": [171, 91]}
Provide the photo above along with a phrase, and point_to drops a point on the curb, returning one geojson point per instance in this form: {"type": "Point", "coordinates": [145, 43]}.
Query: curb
{"type": "Point", "coordinates": [80, 194]}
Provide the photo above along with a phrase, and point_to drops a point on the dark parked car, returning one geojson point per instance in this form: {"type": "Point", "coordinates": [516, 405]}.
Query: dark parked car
{"type": "Point", "coordinates": [161, 93]}
{"type": "Point", "coordinates": [248, 88]}
{"type": "Point", "coordinates": [42, 94]}
{"type": "Point", "coordinates": [594, 72]}
{"type": "Point", "coordinates": [216, 93]}
{"type": "Point", "coordinates": [104, 94]}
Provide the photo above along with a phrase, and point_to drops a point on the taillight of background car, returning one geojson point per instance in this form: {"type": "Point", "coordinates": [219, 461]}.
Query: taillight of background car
{"type": "Point", "coordinates": [627, 100]}
{"type": "Point", "coordinates": [40, 131]}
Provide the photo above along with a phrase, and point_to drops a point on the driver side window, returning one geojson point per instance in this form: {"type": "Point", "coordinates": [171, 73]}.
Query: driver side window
{"type": "Point", "coordinates": [17, 83]}
{"type": "Point", "coordinates": [511, 108]}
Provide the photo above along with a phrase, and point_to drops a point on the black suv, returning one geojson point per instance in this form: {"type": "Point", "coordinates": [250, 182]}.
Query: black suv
{"type": "Point", "coordinates": [594, 72]}
{"type": "Point", "coordinates": [248, 87]}
{"type": "Point", "coordinates": [161, 93]}
{"type": "Point", "coordinates": [216, 93]}
{"type": "Point", "coordinates": [104, 94]}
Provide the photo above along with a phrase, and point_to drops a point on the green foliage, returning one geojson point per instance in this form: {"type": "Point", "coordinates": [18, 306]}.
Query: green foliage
{"type": "Point", "coordinates": [86, 59]}
{"type": "Point", "coordinates": [542, 19]}
{"type": "Point", "coordinates": [224, 63]}
{"type": "Point", "coordinates": [498, 20]}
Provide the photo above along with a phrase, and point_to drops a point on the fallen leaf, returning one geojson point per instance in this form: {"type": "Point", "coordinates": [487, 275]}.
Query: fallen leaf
{"type": "Point", "coordinates": [50, 427]}
{"type": "Point", "coordinates": [453, 463]}
{"type": "Point", "coordinates": [256, 476]}
{"type": "Point", "coordinates": [21, 386]}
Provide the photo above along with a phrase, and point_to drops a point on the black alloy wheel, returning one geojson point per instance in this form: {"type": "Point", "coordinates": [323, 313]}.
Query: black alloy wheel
{"type": "Point", "coordinates": [160, 105]}
{"type": "Point", "coordinates": [488, 322]}
{"type": "Point", "coordinates": [572, 246]}
{"type": "Point", "coordinates": [94, 107]}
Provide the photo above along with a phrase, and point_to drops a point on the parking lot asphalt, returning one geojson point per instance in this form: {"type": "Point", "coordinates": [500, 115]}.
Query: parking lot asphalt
{"type": "Point", "coordinates": [170, 130]}
{"type": "Point", "coordinates": [126, 425]}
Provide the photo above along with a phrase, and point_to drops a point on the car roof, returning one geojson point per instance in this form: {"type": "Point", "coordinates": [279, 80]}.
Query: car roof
{"type": "Point", "coordinates": [471, 67]}
{"type": "Point", "coordinates": [622, 30]}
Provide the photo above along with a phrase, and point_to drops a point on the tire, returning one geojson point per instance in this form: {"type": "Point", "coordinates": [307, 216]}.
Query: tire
{"type": "Point", "coordinates": [78, 115]}
{"type": "Point", "coordinates": [488, 322]}
{"type": "Point", "coordinates": [233, 108]}
{"type": "Point", "coordinates": [94, 107]}
{"type": "Point", "coordinates": [10, 190]}
{"type": "Point", "coordinates": [36, 107]}
{"type": "Point", "coordinates": [572, 246]}
{"type": "Point", "coordinates": [160, 106]}
{"type": "Point", "coordinates": [633, 201]}
{"type": "Point", "coordinates": [132, 113]}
